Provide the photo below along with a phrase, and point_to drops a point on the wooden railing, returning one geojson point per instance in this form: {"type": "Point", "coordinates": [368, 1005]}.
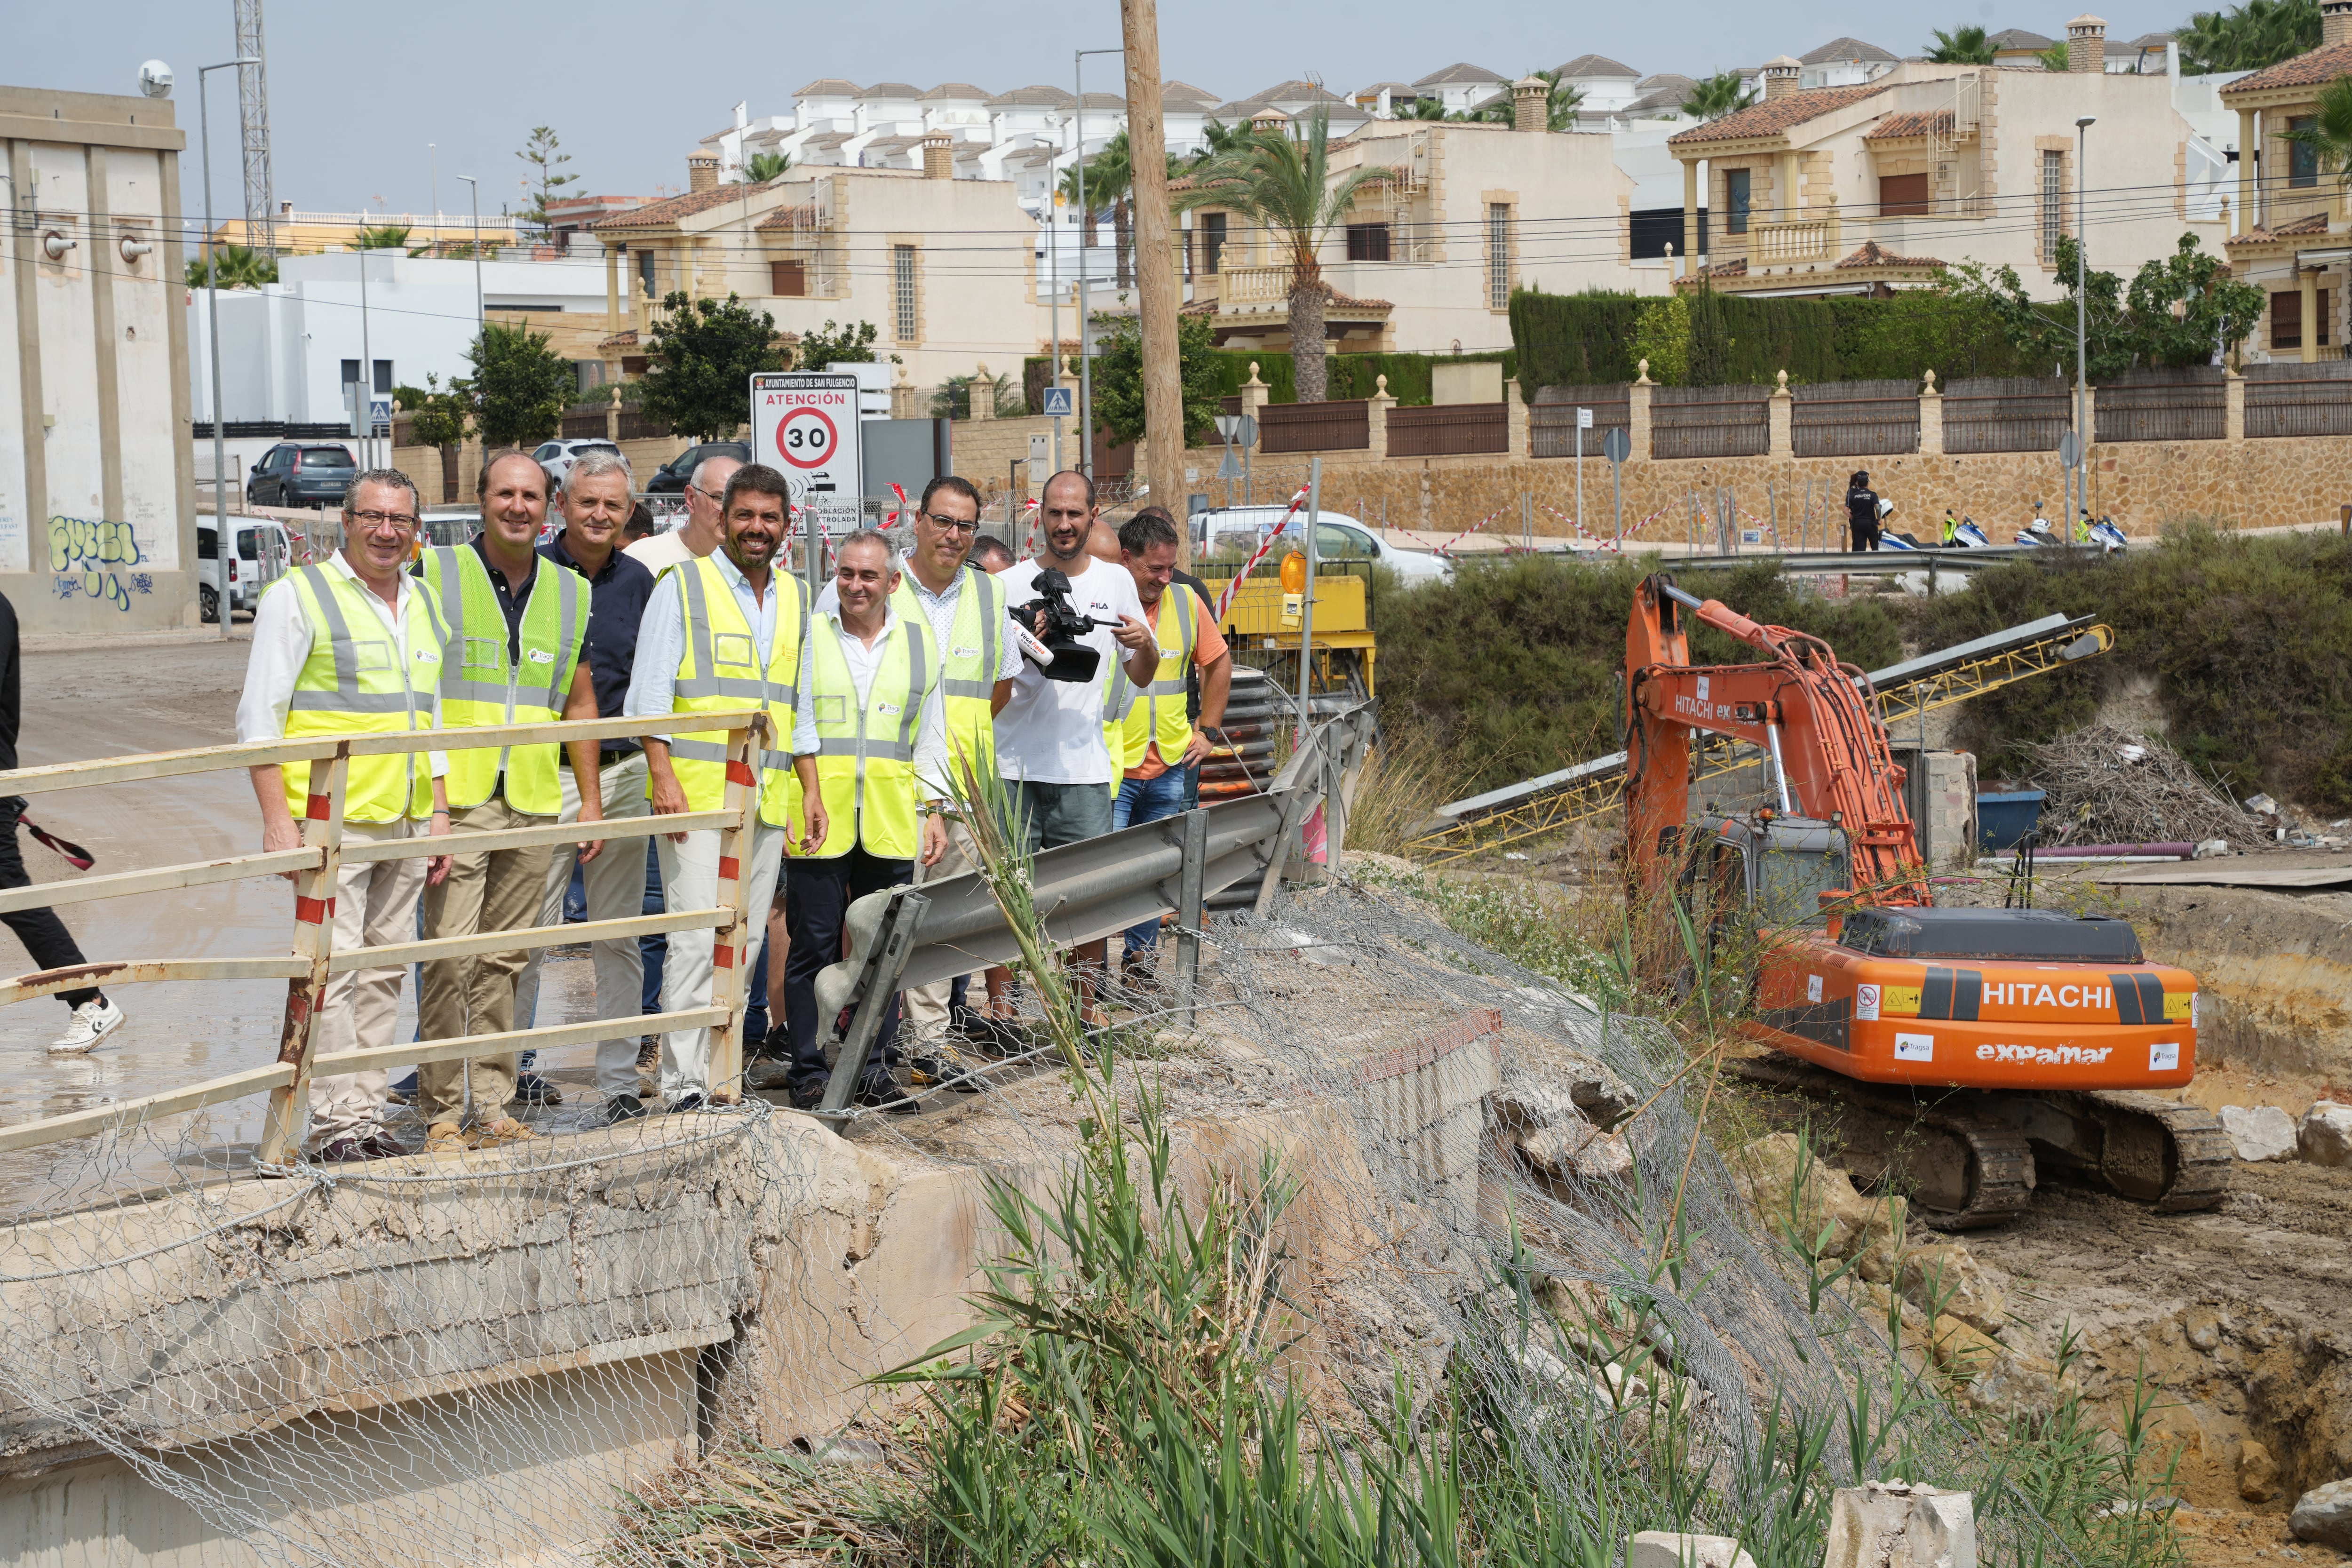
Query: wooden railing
{"type": "Point", "coordinates": [314, 868]}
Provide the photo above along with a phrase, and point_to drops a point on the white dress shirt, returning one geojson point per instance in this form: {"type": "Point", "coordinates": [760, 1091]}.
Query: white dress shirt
{"type": "Point", "coordinates": [282, 640]}
{"type": "Point", "coordinates": [939, 609]}
{"type": "Point", "coordinates": [930, 728]}
{"type": "Point", "coordinates": [666, 548]}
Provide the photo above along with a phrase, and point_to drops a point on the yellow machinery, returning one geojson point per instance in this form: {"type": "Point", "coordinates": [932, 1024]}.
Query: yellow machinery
{"type": "Point", "coordinates": [1261, 634]}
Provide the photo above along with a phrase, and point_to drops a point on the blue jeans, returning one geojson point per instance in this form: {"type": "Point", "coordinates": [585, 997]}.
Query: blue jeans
{"type": "Point", "coordinates": [654, 948]}
{"type": "Point", "coordinates": [1139, 801]}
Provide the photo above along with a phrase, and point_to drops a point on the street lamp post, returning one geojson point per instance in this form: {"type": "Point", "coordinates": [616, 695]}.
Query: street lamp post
{"type": "Point", "coordinates": [2082, 355]}
{"type": "Point", "coordinates": [223, 534]}
{"type": "Point", "coordinates": [1086, 232]}
{"type": "Point", "coordinates": [477, 191]}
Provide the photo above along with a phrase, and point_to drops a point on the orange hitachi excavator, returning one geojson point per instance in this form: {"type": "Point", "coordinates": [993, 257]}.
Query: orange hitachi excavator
{"type": "Point", "coordinates": [1957, 1047]}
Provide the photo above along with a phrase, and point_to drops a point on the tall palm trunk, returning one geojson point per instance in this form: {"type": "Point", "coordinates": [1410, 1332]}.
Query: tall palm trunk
{"type": "Point", "coordinates": [1119, 239]}
{"type": "Point", "coordinates": [1312, 376]}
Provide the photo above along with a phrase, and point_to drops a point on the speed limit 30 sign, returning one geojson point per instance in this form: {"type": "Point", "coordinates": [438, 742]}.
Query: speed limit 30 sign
{"type": "Point", "coordinates": [805, 422]}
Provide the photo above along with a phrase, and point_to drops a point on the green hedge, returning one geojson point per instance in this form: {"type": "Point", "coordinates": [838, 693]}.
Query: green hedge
{"type": "Point", "coordinates": [1577, 340]}
{"type": "Point", "coordinates": [1351, 376]}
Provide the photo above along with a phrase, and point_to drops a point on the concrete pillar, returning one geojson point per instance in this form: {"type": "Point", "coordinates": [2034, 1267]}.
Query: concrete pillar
{"type": "Point", "coordinates": [2306, 283]}
{"type": "Point", "coordinates": [2249, 150]}
{"type": "Point", "coordinates": [613, 415]}
{"type": "Point", "coordinates": [612, 288]}
{"type": "Point", "coordinates": [902, 397]}
{"type": "Point", "coordinates": [1781, 442]}
{"type": "Point", "coordinates": [1786, 195]}
{"type": "Point", "coordinates": [983, 396]}
{"type": "Point", "coordinates": [1690, 215]}
{"type": "Point", "coordinates": [1376, 419]}
{"type": "Point", "coordinates": [1931, 420]}
{"type": "Point", "coordinates": [1637, 415]}
{"type": "Point", "coordinates": [1253, 395]}
{"type": "Point", "coordinates": [1520, 443]}
{"type": "Point", "coordinates": [2233, 405]}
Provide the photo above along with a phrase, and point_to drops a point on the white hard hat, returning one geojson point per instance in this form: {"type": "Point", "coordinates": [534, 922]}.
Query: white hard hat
{"type": "Point", "coordinates": [1885, 506]}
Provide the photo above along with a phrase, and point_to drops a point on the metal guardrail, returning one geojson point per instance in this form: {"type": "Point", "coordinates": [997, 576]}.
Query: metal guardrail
{"type": "Point", "coordinates": [912, 936]}
{"type": "Point", "coordinates": [1910, 690]}
{"type": "Point", "coordinates": [314, 867]}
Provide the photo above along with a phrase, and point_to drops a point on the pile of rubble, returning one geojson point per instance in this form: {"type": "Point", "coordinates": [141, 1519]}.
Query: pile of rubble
{"type": "Point", "coordinates": [2105, 786]}
{"type": "Point", "coordinates": [2260, 1133]}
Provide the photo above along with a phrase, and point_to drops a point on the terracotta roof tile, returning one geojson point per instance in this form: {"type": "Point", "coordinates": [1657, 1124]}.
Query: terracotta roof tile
{"type": "Point", "coordinates": [1461, 71]}
{"type": "Point", "coordinates": [1872, 255]}
{"type": "Point", "coordinates": [2319, 66]}
{"type": "Point", "coordinates": [627, 340]}
{"type": "Point", "coordinates": [662, 213]}
{"type": "Point", "coordinates": [1776, 115]}
{"type": "Point", "coordinates": [1913, 123]}
{"type": "Point", "coordinates": [1735, 268]}
{"type": "Point", "coordinates": [803, 215]}
{"type": "Point", "coordinates": [829, 87]}
{"type": "Point", "coordinates": [1596, 65]}
{"type": "Point", "coordinates": [2018, 39]}
{"type": "Point", "coordinates": [2313, 222]}
{"type": "Point", "coordinates": [1845, 49]}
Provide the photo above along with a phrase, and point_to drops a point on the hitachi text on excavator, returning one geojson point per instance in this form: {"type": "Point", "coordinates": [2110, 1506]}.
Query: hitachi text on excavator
{"type": "Point", "coordinates": [1957, 1051]}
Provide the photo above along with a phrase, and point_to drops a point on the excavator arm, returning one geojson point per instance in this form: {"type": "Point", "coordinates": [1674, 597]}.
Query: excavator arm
{"type": "Point", "coordinates": [1800, 705]}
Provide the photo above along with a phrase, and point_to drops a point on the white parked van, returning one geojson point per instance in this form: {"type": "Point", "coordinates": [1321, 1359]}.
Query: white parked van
{"type": "Point", "coordinates": [1238, 530]}
{"type": "Point", "coordinates": [263, 549]}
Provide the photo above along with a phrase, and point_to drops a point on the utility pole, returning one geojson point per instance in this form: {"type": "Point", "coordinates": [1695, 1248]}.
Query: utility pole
{"type": "Point", "coordinates": [477, 191]}
{"type": "Point", "coordinates": [2081, 375]}
{"type": "Point", "coordinates": [1086, 463]}
{"type": "Point", "coordinates": [1155, 264]}
{"type": "Point", "coordinates": [223, 531]}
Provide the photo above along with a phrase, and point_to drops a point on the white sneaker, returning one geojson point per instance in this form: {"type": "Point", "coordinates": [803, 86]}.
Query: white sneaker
{"type": "Point", "coordinates": [93, 1022]}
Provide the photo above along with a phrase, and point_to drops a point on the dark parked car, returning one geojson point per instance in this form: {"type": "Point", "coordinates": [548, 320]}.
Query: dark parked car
{"type": "Point", "coordinates": [670, 479]}
{"type": "Point", "coordinates": [302, 473]}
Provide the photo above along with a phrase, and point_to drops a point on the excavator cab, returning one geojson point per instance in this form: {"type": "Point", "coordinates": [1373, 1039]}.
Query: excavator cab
{"type": "Point", "coordinates": [1779, 865]}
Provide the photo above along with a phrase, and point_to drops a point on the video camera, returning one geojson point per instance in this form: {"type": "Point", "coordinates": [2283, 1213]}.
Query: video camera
{"type": "Point", "coordinates": [1062, 651]}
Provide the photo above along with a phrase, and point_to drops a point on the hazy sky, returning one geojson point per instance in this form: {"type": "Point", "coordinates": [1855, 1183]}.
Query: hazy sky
{"type": "Point", "coordinates": [631, 88]}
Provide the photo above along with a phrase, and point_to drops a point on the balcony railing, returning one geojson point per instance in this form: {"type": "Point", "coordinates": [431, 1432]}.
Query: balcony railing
{"type": "Point", "coordinates": [1809, 239]}
{"type": "Point", "coordinates": [1244, 287]}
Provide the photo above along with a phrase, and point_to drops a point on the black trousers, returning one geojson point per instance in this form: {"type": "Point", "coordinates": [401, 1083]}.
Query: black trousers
{"type": "Point", "coordinates": [1865, 534]}
{"type": "Point", "coordinates": [44, 935]}
{"type": "Point", "coordinates": [817, 896]}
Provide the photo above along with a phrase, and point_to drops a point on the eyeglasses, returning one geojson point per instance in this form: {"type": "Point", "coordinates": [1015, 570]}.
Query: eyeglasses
{"type": "Point", "coordinates": [400, 520]}
{"type": "Point", "coordinates": [954, 524]}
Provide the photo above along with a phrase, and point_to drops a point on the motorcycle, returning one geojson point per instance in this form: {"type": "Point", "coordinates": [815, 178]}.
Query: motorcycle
{"type": "Point", "coordinates": [1969, 536]}
{"type": "Point", "coordinates": [2037, 533]}
{"type": "Point", "coordinates": [2107, 536]}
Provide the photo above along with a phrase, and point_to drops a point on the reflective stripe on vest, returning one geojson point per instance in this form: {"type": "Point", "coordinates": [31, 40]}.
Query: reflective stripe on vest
{"type": "Point", "coordinates": [967, 678]}
{"type": "Point", "coordinates": [865, 754]}
{"type": "Point", "coordinates": [362, 685]}
{"type": "Point", "coordinates": [479, 689]}
{"type": "Point", "coordinates": [718, 667]}
{"type": "Point", "coordinates": [1158, 713]}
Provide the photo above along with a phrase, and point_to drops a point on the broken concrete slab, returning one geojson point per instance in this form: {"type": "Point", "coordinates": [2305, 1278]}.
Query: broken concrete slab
{"type": "Point", "coordinates": [1900, 1525]}
{"type": "Point", "coordinates": [1664, 1549]}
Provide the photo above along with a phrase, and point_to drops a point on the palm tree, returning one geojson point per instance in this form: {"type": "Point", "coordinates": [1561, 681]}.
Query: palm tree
{"type": "Point", "coordinates": [1717, 96]}
{"type": "Point", "coordinates": [1284, 184]}
{"type": "Point", "coordinates": [761, 167]}
{"type": "Point", "coordinates": [1111, 176]}
{"type": "Point", "coordinates": [240, 267]}
{"type": "Point", "coordinates": [1963, 46]}
{"type": "Point", "coordinates": [1503, 108]}
{"type": "Point", "coordinates": [2329, 134]}
{"type": "Point", "coordinates": [1223, 139]}
{"type": "Point", "coordinates": [387, 236]}
{"type": "Point", "coordinates": [2248, 37]}
{"type": "Point", "coordinates": [2058, 56]}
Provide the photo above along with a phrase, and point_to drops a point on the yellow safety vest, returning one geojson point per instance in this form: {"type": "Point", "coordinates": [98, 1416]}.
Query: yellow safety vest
{"type": "Point", "coordinates": [719, 668]}
{"type": "Point", "coordinates": [477, 689]}
{"type": "Point", "coordinates": [866, 751]}
{"type": "Point", "coordinates": [968, 668]}
{"type": "Point", "coordinates": [1158, 712]}
{"type": "Point", "coordinates": [354, 683]}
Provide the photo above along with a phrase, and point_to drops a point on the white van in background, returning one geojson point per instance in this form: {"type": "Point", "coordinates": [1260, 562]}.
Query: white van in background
{"type": "Point", "coordinates": [1238, 530]}
{"type": "Point", "coordinates": [263, 549]}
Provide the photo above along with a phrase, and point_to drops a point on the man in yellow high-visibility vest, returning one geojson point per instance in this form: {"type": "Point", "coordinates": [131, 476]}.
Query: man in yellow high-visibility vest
{"type": "Point", "coordinates": [353, 646]}
{"type": "Point", "coordinates": [723, 631]}
{"type": "Point", "coordinates": [516, 637]}
{"type": "Point", "coordinates": [965, 608]}
{"type": "Point", "coordinates": [870, 749]}
{"type": "Point", "coordinates": [1159, 744]}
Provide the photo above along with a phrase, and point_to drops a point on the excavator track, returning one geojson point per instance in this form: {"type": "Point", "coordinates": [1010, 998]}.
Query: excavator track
{"type": "Point", "coordinates": [2174, 1158]}
{"type": "Point", "coordinates": [1962, 1170]}
{"type": "Point", "coordinates": [1970, 1158]}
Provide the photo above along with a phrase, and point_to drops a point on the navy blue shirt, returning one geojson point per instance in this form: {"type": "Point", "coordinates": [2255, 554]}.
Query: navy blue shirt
{"type": "Point", "coordinates": [617, 596]}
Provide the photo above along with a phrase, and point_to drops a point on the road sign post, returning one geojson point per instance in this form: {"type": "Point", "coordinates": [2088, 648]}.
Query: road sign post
{"type": "Point", "coordinates": [1615, 445]}
{"type": "Point", "coordinates": [1583, 423]}
{"type": "Point", "coordinates": [1057, 409]}
{"type": "Point", "coordinates": [805, 422]}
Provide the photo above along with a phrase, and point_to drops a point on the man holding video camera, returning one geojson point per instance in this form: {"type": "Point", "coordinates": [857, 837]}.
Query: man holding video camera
{"type": "Point", "coordinates": [1049, 736]}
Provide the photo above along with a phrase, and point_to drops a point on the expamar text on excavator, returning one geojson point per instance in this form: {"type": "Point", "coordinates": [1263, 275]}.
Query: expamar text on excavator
{"type": "Point", "coordinates": [1958, 1052]}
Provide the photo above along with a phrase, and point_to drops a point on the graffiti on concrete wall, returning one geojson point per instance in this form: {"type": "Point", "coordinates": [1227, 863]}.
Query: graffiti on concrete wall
{"type": "Point", "coordinates": [94, 559]}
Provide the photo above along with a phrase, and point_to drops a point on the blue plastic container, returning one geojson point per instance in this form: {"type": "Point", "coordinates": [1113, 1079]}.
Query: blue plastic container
{"type": "Point", "coordinates": [2004, 818]}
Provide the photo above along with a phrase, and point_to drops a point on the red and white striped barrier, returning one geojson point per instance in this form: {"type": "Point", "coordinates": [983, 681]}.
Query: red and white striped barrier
{"type": "Point", "coordinates": [1225, 599]}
